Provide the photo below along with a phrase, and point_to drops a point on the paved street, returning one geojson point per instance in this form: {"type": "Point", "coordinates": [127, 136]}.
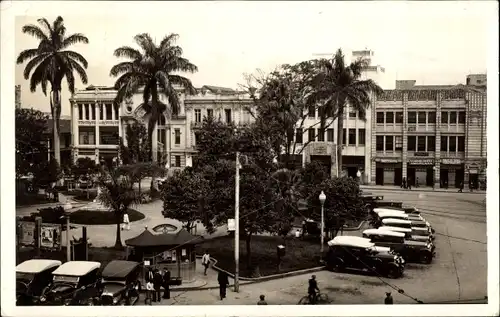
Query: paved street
{"type": "Point", "coordinates": [453, 214]}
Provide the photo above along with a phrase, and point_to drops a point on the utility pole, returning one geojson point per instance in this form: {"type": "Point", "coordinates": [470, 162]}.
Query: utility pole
{"type": "Point", "coordinates": [237, 225]}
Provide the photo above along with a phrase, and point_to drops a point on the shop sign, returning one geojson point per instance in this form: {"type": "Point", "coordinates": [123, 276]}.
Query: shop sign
{"type": "Point", "coordinates": [473, 171]}
{"type": "Point", "coordinates": [27, 233]}
{"type": "Point", "coordinates": [421, 153]}
{"type": "Point", "coordinates": [451, 161]}
{"type": "Point", "coordinates": [421, 162]}
{"type": "Point", "coordinates": [390, 161]}
{"type": "Point", "coordinates": [86, 122]}
{"type": "Point", "coordinates": [51, 236]}
{"type": "Point", "coordinates": [320, 150]}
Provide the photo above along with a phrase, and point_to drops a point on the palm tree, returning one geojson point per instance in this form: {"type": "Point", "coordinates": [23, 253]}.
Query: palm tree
{"type": "Point", "coordinates": [117, 194]}
{"type": "Point", "coordinates": [52, 62]}
{"type": "Point", "coordinates": [153, 70]}
{"type": "Point", "coordinates": [336, 86]}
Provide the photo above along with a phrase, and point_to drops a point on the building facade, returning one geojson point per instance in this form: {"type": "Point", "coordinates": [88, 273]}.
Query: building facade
{"type": "Point", "coordinates": [98, 124]}
{"type": "Point", "coordinates": [17, 97]}
{"type": "Point", "coordinates": [429, 135]}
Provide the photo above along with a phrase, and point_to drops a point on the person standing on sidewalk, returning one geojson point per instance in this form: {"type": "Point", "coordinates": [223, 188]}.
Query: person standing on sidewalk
{"type": "Point", "coordinates": [205, 261]}
{"type": "Point", "coordinates": [166, 283]}
{"type": "Point", "coordinates": [262, 300]}
{"type": "Point", "coordinates": [461, 187]}
{"type": "Point", "coordinates": [388, 299]}
{"type": "Point", "coordinates": [157, 282]}
{"type": "Point", "coordinates": [223, 283]}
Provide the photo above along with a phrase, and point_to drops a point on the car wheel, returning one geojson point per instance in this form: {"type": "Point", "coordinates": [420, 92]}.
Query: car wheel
{"type": "Point", "coordinates": [426, 258]}
{"type": "Point", "coordinates": [393, 272]}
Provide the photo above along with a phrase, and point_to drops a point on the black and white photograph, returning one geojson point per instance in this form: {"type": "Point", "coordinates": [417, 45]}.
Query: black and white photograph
{"type": "Point", "coordinates": [233, 154]}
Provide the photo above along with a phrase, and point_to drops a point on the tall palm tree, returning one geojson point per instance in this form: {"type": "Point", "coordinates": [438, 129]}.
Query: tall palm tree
{"type": "Point", "coordinates": [152, 69]}
{"type": "Point", "coordinates": [52, 62]}
{"type": "Point", "coordinates": [337, 85]}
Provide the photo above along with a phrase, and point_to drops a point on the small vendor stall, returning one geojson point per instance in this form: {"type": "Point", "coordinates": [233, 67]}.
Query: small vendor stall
{"type": "Point", "coordinates": [172, 251]}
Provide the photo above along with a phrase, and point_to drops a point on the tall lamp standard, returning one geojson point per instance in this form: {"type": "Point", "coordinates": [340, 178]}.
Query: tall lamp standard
{"type": "Point", "coordinates": [433, 177]}
{"type": "Point", "coordinates": [67, 207]}
{"type": "Point", "coordinates": [322, 198]}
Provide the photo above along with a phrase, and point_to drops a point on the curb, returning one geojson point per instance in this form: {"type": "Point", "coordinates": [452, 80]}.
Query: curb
{"type": "Point", "coordinates": [421, 190]}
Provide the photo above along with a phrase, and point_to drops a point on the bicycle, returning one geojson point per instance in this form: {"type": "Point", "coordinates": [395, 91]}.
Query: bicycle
{"type": "Point", "coordinates": [321, 299]}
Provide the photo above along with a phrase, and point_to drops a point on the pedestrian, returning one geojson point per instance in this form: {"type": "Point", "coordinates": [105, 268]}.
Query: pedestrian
{"type": "Point", "coordinates": [223, 283]}
{"type": "Point", "coordinates": [461, 187]}
{"type": "Point", "coordinates": [205, 261]}
{"type": "Point", "coordinates": [149, 275]}
{"type": "Point", "coordinates": [157, 283]}
{"type": "Point", "coordinates": [409, 183]}
{"type": "Point", "coordinates": [388, 299]}
{"type": "Point", "coordinates": [149, 293]}
{"type": "Point", "coordinates": [416, 183]}
{"type": "Point", "coordinates": [126, 222]}
{"type": "Point", "coordinates": [262, 300]}
{"type": "Point", "coordinates": [404, 182]}
{"type": "Point", "coordinates": [166, 283]}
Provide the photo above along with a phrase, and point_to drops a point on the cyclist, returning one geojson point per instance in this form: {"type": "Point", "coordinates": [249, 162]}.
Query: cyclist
{"type": "Point", "coordinates": [313, 287]}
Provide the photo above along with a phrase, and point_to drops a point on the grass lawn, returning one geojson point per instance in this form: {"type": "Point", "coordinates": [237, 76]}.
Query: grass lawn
{"type": "Point", "coordinates": [32, 199]}
{"type": "Point", "coordinates": [103, 255]}
{"type": "Point", "coordinates": [300, 254]}
{"type": "Point", "coordinates": [99, 217]}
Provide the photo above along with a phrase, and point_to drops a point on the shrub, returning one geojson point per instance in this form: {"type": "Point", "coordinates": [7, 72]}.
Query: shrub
{"type": "Point", "coordinates": [99, 217]}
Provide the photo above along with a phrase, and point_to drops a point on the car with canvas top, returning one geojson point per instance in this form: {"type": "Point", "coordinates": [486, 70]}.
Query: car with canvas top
{"type": "Point", "coordinates": [33, 278]}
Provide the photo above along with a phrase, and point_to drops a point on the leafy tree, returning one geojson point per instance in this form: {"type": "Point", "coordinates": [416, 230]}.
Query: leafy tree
{"type": "Point", "coordinates": [51, 62]}
{"type": "Point", "coordinates": [31, 149]}
{"type": "Point", "coordinates": [313, 175]}
{"type": "Point", "coordinates": [336, 85]}
{"type": "Point", "coordinates": [183, 195]}
{"type": "Point", "coordinates": [84, 166]}
{"type": "Point", "coordinates": [117, 194]}
{"type": "Point", "coordinates": [46, 173]}
{"type": "Point", "coordinates": [343, 202]}
{"type": "Point", "coordinates": [138, 171]}
{"type": "Point", "coordinates": [137, 148]}
{"type": "Point", "coordinates": [153, 70]}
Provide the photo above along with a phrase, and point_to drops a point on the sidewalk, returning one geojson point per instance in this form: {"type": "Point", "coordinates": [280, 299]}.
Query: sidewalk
{"type": "Point", "coordinates": [419, 189]}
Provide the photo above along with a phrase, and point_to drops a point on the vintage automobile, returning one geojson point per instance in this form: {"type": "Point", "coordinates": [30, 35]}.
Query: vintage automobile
{"type": "Point", "coordinates": [417, 219]}
{"type": "Point", "coordinates": [411, 216]}
{"type": "Point", "coordinates": [74, 283]}
{"type": "Point", "coordinates": [409, 234]}
{"type": "Point", "coordinates": [411, 251]}
{"type": "Point", "coordinates": [403, 223]}
{"type": "Point", "coordinates": [378, 216]}
{"type": "Point", "coordinates": [119, 283]}
{"type": "Point", "coordinates": [33, 277]}
{"type": "Point", "coordinates": [350, 252]}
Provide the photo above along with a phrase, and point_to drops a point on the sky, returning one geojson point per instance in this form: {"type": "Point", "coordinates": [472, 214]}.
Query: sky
{"type": "Point", "coordinates": [430, 42]}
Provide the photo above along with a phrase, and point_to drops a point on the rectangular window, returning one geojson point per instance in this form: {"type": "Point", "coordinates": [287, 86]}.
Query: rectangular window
{"type": "Point", "coordinates": [228, 115]}
{"type": "Point", "coordinates": [210, 113]}
{"type": "Point", "coordinates": [431, 143]}
{"type": "Point", "coordinates": [389, 143]}
{"type": "Point", "coordinates": [389, 117]}
{"type": "Point", "coordinates": [160, 133]}
{"type": "Point", "coordinates": [344, 136]}
{"type": "Point", "coordinates": [412, 117]}
{"type": "Point", "coordinates": [412, 143]}
{"type": "Point", "coordinates": [329, 135]}
{"type": "Point", "coordinates": [461, 117]}
{"type": "Point", "coordinates": [398, 143]}
{"type": "Point", "coordinates": [109, 111]}
{"type": "Point", "coordinates": [80, 112]}
{"type": "Point", "coordinates": [87, 112]}
{"type": "Point", "coordinates": [177, 136]}
{"type": "Point", "coordinates": [461, 144]}
{"type": "Point", "coordinates": [453, 117]}
{"type": "Point", "coordinates": [422, 117]}
{"type": "Point", "coordinates": [298, 136]}
{"type": "Point", "coordinates": [312, 112]}
{"type": "Point", "coordinates": [444, 117]}
{"type": "Point", "coordinates": [352, 136]}
{"type": "Point", "coordinates": [444, 144]}
{"type": "Point", "coordinates": [67, 140]}
{"type": "Point", "coordinates": [321, 135]}
{"type": "Point", "coordinates": [453, 143]}
{"type": "Point", "coordinates": [93, 112]}
{"type": "Point", "coordinates": [310, 136]}
{"type": "Point", "coordinates": [197, 115]}
{"type": "Point", "coordinates": [101, 111]}
{"type": "Point", "coordinates": [361, 136]}
{"type": "Point", "coordinates": [421, 144]}
{"type": "Point", "coordinates": [431, 117]}
{"type": "Point", "coordinates": [380, 142]}
{"type": "Point", "coordinates": [399, 117]}
{"type": "Point", "coordinates": [177, 161]}
{"type": "Point", "coordinates": [115, 108]}
{"type": "Point", "coordinates": [380, 117]}
{"type": "Point", "coordinates": [86, 136]}
{"type": "Point", "coordinates": [320, 112]}
{"type": "Point", "coordinates": [352, 114]}
{"type": "Point", "coordinates": [197, 138]}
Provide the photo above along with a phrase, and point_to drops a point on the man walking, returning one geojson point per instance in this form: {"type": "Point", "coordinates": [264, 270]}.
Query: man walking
{"type": "Point", "coordinates": [223, 283]}
{"type": "Point", "coordinates": [205, 261]}
{"type": "Point", "coordinates": [166, 283]}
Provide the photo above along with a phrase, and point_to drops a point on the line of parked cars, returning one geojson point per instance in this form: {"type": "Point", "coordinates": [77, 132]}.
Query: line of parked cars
{"type": "Point", "coordinates": [81, 283]}
{"type": "Point", "coordinates": [399, 235]}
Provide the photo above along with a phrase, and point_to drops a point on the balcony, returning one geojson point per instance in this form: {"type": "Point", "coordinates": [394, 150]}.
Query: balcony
{"type": "Point", "coordinates": [86, 122]}
{"type": "Point", "coordinates": [109, 123]}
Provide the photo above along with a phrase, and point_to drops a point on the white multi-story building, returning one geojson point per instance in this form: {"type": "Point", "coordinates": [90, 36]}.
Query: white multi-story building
{"type": "Point", "coordinates": [97, 123]}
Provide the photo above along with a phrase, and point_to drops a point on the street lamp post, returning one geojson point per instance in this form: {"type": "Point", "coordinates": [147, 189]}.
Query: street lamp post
{"type": "Point", "coordinates": [322, 198]}
{"type": "Point", "coordinates": [67, 207]}
{"type": "Point", "coordinates": [433, 177]}
{"type": "Point", "coordinates": [237, 225]}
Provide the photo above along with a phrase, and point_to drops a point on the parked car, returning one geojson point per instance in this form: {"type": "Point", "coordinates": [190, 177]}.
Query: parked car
{"type": "Point", "coordinates": [399, 211]}
{"type": "Point", "coordinates": [349, 252]}
{"type": "Point", "coordinates": [417, 219]}
{"type": "Point", "coordinates": [388, 203]}
{"type": "Point", "coordinates": [378, 216]}
{"type": "Point", "coordinates": [411, 251]}
{"type": "Point", "coordinates": [33, 277]}
{"type": "Point", "coordinates": [409, 234]}
{"type": "Point", "coordinates": [119, 281]}
{"type": "Point", "coordinates": [404, 223]}
{"type": "Point", "coordinates": [74, 283]}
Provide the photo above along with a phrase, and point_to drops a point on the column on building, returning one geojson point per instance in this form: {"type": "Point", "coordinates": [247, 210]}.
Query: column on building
{"type": "Point", "coordinates": [368, 141]}
{"type": "Point", "coordinates": [437, 155]}
{"type": "Point", "coordinates": [372, 144]}
{"type": "Point", "coordinates": [167, 143]}
{"type": "Point", "coordinates": [97, 123]}
{"type": "Point", "coordinates": [75, 135]}
{"type": "Point", "coordinates": [154, 147]}
{"type": "Point", "coordinates": [404, 162]}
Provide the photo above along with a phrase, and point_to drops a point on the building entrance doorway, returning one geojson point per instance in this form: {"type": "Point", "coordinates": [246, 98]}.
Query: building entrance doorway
{"type": "Point", "coordinates": [352, 171]}
{"type": "Point", "coordinates": [410, 176]}
{"type": "Point", "coordinates": [429, 179]}
{"type": "Point", "coordinates": [398, 176]}
{"type": "Point", "coordinates": [443, 178]}
{"type": "Point", "coordinates": [379, 176]}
